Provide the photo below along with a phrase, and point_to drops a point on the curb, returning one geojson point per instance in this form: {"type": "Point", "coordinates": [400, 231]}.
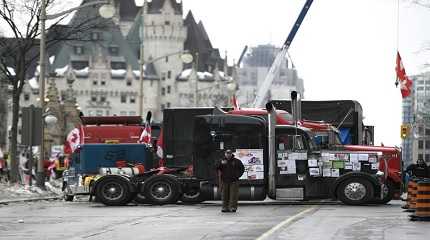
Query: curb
{"type": "Point", "coordinates": [7, 201]}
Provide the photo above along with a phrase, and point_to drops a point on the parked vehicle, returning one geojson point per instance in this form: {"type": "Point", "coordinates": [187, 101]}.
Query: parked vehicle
{"type": "Point", "coordinates": [282, 162]}
{"type": "Point", "coordinates": [91, 161]}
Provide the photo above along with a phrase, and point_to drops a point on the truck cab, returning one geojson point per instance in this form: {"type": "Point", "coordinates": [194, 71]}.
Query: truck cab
{"type": "Point", "coordinates": [287, 166]}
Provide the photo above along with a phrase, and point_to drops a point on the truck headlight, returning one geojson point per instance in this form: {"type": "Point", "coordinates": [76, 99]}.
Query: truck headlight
{"type": "Point", "coordinates": [380, 174]}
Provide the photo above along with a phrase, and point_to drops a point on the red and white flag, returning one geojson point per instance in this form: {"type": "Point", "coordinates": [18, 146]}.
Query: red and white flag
{"type": "Point", "coordinates": [402, 78]}
{"type": "Point", "coordinates": [160, 149]}
{"type": "Point", "coordinates": [235, 102]}
{"type": "Point", "coordinates": [72, 141]}
{"type": "Point", "coordinates": [145, 137]}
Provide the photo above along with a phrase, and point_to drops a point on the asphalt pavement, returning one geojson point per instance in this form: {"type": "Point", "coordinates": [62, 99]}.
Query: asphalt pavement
{"type": "Point", "coordinates": [259, 220]}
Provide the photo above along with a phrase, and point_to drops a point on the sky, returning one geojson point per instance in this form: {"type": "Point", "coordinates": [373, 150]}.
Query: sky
{"type": "Point", "coordinates": [345, 49]}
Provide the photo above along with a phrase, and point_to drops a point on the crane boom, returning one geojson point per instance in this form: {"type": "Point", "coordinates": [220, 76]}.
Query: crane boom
{"type": "Point", "coordinates": [275, 68]}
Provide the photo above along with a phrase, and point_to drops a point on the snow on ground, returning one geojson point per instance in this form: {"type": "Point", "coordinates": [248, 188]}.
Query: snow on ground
{"type": "Point", "coordinates": [18, 191]}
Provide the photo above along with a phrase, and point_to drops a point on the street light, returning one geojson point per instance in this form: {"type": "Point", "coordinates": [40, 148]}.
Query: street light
{"type": "Point", "coordinates": [107, 11]}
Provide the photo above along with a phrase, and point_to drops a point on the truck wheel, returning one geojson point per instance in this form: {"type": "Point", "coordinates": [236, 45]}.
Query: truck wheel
{"type": "Point", "coordinates": [388, 191]}
{"type": "Point", "coordinates": [355, 191]}
{"type": "Point", "coordinates": [162, 189]}
{"type": "Point", "coordinates": [113, 192]}
{"type": "Point", "coordinates": [192, 195]}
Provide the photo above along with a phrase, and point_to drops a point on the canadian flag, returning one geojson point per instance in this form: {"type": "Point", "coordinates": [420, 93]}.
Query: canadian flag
{"type": "Point", "coordinates": [235, 102]}
{"type": "Point", "coordinates": [145, 137]}
{"type": "Point", "coordinates": [160, 146]}
{"type": "Point", "coordinates": [402, 78]}
{"type": "Point", "coordinates": [72, 141]}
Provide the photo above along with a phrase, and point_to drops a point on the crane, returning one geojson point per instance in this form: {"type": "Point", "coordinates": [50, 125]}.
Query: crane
{"type": "Point", "coordinates": [264, 89]}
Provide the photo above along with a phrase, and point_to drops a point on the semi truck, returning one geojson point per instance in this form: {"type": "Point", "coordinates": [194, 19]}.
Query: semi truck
{"type": "Point", "coordinates": [347, 116]}
{"type": "Point", "coordinates": [282, 163]}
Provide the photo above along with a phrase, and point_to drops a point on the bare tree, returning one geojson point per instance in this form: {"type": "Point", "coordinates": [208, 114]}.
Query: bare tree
{"type": "Point", "coordinates": [19, 53]}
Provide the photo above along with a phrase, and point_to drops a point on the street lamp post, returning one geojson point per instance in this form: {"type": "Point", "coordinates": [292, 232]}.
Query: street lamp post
{"type": "Point", "coordinates": [106, 11]}
{"type": "Point", "coordinates": [142, 59]}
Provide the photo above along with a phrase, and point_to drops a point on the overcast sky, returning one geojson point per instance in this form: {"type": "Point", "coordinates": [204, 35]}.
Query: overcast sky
{"type": "Point", "coordinates": [345, 49]}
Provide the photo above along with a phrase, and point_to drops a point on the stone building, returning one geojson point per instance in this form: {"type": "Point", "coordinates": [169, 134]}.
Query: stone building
{"type": "Point", "coordinates": [416, 113]}
{"type": "Point", "coordinates": [98, 73]}
{"type": "Point", "coordinates": [106, 68]}
{"type": "Point", "coordinates": [256, 65]}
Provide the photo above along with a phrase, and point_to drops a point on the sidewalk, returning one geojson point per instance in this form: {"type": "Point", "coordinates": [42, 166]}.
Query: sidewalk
{"type": "Point", "coordinates": [353, 222]}
{"type": "Point", "coordinates": [19, 193]}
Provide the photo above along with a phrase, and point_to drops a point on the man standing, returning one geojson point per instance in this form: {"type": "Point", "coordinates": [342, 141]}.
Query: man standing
{"type": "Point", "coordinates": [230, 169]}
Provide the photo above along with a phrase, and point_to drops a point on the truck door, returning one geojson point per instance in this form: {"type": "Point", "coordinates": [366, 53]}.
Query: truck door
{"type": "Point", "coordinates": [296, 154]}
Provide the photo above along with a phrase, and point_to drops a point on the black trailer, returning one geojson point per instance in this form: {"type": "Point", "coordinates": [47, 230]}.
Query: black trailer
{"type": "Point", "coordinates": [347, 115]}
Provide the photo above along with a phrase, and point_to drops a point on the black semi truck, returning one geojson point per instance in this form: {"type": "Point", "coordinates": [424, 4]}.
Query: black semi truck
{"type": "Point", "coordinates": [282, 163]}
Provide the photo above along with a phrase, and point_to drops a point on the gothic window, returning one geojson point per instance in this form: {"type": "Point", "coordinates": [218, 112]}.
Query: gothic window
{"type": "Point", "coordinates": [163, 106]}
{"type": "Point", "coordinates": [93, 99]}
{"type": "Point", "coordinates": [78, 65]}
{"type": "Point", "coordinates": [102, 99]}
{"type": "Point", "coordinates": [78, 50]}
{"type": "Point", "coordinates": [114, 50]}
{"type": "Point", "coordinates": [163, 91]}
{"type": "Point", "coordinates": [26, 97]}
{"type": "Point", "coordinates": [123, 98]}
{"type": "Point", "coordinates": [163, 76]}
{"type": "Point", "coordinates": [167, 59]}
{"type": "Point", "coordinates": [95, 83]}
{"type": "Point", "coordinates": [168, 105]}
{"type": "Point", "coordinates": [103, 83]}
{"type": "Point", "coordinates": [95, 36]}
{"type": "Point", "coordinates": [118, 65]}
{"type": "Point", "coordinates": [169, 74]}
{"type": "Point", "coordinates": [168, 89]}
{"type": "Point", "coordinates": [132, 100]}
{"type": "Point", "coordinates": [420, 144]}
{"type": "Point", "coordinates": [420, 156]}
{"type": "Point", "coordinates": [128, 83]}
{"type": "Point", "coordinates": [167, 22]}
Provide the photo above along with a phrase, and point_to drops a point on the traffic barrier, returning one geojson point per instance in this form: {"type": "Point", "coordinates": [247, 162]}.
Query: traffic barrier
{"type": "Point", "coordinates": [408, 199]}
{"type": "Point", "coordinates": [422, 211]}
{"type": "Point", "coordinates": [414, 190]}
{"type": "Point", "coordinates": [412, 196]}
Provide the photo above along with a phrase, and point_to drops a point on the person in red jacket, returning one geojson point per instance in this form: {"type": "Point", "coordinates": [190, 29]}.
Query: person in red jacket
{"type": "Point", "coordinates": [230, 169]}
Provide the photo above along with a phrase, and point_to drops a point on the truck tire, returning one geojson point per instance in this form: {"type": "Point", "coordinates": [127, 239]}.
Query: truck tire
{"type": "Point", "coordinates": [355, 191]}
{"type": "Point", "coordinates": [113, 192]}
{"type": "Point", "coordinates": [192, 196]}
{"type": "Point", "coordinates": [388, 194]}
{"type": "Point", "coordinates": [162, 189]}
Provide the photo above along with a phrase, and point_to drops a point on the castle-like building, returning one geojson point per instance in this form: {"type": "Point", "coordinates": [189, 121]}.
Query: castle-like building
{"type": "Point", "coordinates": [103, 64]}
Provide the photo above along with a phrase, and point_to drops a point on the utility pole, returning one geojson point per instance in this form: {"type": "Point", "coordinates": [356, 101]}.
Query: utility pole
{"type": "Point", "coordinates": [40, 176]}
{"type": "Point", "coordinates": [142, 59]}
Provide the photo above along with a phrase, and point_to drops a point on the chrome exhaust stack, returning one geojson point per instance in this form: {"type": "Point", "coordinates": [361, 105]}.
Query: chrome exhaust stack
{"type": "Point", "coordinates": [272, 150]}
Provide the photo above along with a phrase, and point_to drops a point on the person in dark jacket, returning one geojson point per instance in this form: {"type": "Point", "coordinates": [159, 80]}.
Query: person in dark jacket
{"type": "Point", "coordinates": [229, 169]}
{"type": "Point", "coordinates": [420, 169]}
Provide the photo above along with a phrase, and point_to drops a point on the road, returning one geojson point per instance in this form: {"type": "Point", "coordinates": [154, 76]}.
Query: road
{"type": "Point", "coordinates": [262, 221]}
{"type": "Point", "coordinates": [83, 220]}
